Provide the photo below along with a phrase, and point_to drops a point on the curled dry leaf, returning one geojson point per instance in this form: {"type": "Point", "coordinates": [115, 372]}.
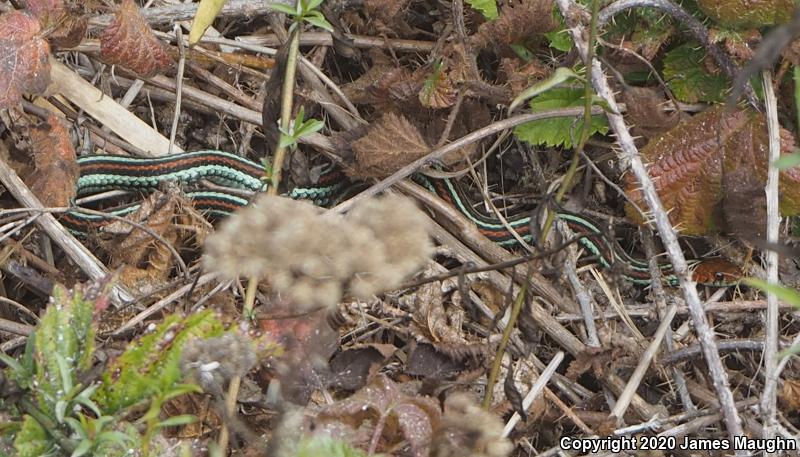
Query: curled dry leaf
{"type": "Point", "coordinates": [130, 43]}
{"type": "Point", "coordinates": [24, 64]}
{"type": "Point", "coordinates": [393, 415]}
{"type": "Point", "coordinates": [56, 166]}
{"type": "Point", "coordinates": [644, 111]}
{"type": "Point", "coordinates": [67, 22]}
{"type": "Point", "coordinates": [518, 20]}
{"type": "Point", "coordinates": [688, 163]}
{"type": "Point", "coordinates": [389, 144]}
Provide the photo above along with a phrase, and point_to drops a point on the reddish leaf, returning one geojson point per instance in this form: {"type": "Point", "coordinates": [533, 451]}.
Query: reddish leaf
{"type": "Point", "coordinates": [24, 64]}
{"type": "Point", "coordinates": [396, 415]}
{"type": "Point", "coordinates": [56, 166]}
{"type": "Point", "coordinates": [689, 162]}
{"type": "Point", "coordinates": [68, 24]}
{"type": "Point", "coordinates": [130, 43]}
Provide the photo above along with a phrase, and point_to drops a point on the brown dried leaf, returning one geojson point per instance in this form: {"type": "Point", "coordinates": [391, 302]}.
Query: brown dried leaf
{"type": "Point", "coordinates": [56, 165]}
{"type": "Point", "coordinates": [382, 403]}
{"type": "Point", "coordinates": [520, 77]}
{"type": "Point", "coordinates": [790, 394]}
{"type": "Point", "coordinates": [130, 43]}
{"type": "Point", "coordinates": [687, 165]}
{"type": "Point", "coordinates": [438, 91]}
{"type": "Point", "coordinates": [389, 144]}
{"type": "Point", "coordinates": [24, 64]}
{"type": "Point", "coordinates": [645, 113]}
{"type": "Point", "coordinates": [592, 358]}
{"type": "Point", "coordinates": [68, 23]}
{"type": "Point", "coordinates": [518, 21]}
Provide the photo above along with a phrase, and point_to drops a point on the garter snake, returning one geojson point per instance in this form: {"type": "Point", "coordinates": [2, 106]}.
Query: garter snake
{"type": "Point", "coordinates": [102, 173]}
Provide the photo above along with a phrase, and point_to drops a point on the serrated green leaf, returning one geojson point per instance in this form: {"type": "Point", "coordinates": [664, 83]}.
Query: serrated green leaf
{"type": "Point", "coordinates": [786, 294]}
{"type": "Point", "coordinates": [556, 131]}
{"type": "Point", "coordinates": [207, 11]}
{"type": "Point", "coordinates": [151, 365]}
{"type": "Point", "coordinates": [560, 40]}
{"type": "Point", "coordinates": [31, 441]}
{"type": "Point", "coordinates": [487, 7]}
{"type": "Point", "coordinates": [561, 75]}
{"type": "Point", "coordinates": [787, 161]}
{"type": "Point", "coordinates": [686, 76]}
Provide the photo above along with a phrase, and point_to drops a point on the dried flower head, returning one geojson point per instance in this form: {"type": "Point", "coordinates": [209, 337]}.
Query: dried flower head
{"type": "Point", "coordinates": [314, 259]}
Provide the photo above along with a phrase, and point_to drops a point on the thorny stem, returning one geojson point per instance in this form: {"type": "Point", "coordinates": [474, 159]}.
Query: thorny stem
{"type": "Point", "coordinates": [629, 157]}
{"type": "Point", "coordinates": [501, 348]}
{"type": "Point", "coordinates": [286, 107]}
{"type": "Point", "coordinates": [588, 93]}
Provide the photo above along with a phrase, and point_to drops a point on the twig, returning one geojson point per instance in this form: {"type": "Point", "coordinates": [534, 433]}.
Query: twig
{"type": "Point", "coordinates": [769, 396]}
{"type": "Point", "coordinates": [501, 348]}
{"type": "Point", "coordinates": [641, 368]}
{"type": "Point", "coordinates": [178, 88]}
{"type": "Point", "coordinates": [72, 247]}
{"type": "Point", "coordinates": [537, 388]}
{"type": "Point", "coordinates": [629, 157]}
{"type": "Point", "coordinates": [161, 304]}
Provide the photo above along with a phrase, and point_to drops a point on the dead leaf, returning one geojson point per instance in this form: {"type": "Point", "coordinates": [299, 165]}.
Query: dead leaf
{"type": "Point", "coordinates": [56, 164]}
{"type": "Point", "coordinates": [518, 20]}
{"type": "Point", "coordinates": [438, 91]}
{"type": "Point", "coordinates": [644, 111]}
{"type": "Point", "coordinates": [351, 368]}
{"type": "Point", "coordinates": [130, 43]}
{"type": "Point", "coordinates": [24, 64]}
{"type": "Point", "coordinates": [790, 395]}
{"type": "Point", "coordinates": [67, 23]}
{"type": "Point", "coordinates": [393, 415]}
{"type": "Point", "coordinates": [389, 144]}
{"type": "Point", "coordinates": [687, 165]}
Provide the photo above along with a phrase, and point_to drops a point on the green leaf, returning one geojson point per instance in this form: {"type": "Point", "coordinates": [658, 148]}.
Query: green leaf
{"type": "Point", "coordinates": [286, 141]}
{"type": "Point", "coordinates": [556, 131]}
{"type": "Point", "coordinates": [31, 441]}
{"type": "Point", "coordinates": [316, 19]}
{"type": "Point", "coordinates": [487, 7]}
{"type": "Point", "coordinates": [307, 128]}
{"type": "Point", "coordinates": [206, 13]}
{"type": "Point", "coordinates": [685, 74]}
{"type": "Point", "coordinates": [787, 161]}
{"type": "Point", "coordinates": [313, 4]}
{"type": "Point", "coordinates": [560, 40]}
{"type": "Point", "coordinates": [83, 447]}
{"type": "Point", "coordinates": [283, 8]}
{"type": "Point", "coordinates": [327, 446]}
{"type": "Point", "coordinates": [786, 294]}
{"type": "Point", "coordinates": [561, 75]}
{"type": "Point", "coordinates": [175, 421]}
{"type": "Point", "coordinates": [151, 365]}
{"type": "Point", "coordinates": [64, 345]}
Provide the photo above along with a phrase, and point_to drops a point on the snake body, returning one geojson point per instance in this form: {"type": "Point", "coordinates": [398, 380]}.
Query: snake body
{"type": "Point", "coordinates": [102, 173]}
